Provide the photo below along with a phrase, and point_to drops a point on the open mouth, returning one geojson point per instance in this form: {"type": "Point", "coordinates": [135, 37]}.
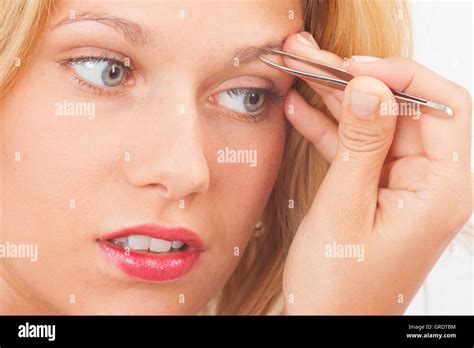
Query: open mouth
{"type": "Point", "coordinates": [149, 244]}
{"type": "Point", "coordinates": [152, 252]}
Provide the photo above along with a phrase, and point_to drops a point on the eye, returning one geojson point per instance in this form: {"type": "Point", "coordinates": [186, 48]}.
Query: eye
{"type": "Point", "coordinates": [102, 72]}
{"type": "Point", "coordinates": [243, 100]}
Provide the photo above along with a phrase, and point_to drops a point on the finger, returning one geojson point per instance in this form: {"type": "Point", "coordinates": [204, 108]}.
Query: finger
{"type": "Point", "coordinates": [303, 44]}
{"type": "Point", "coordinates": [313, 124]}
{"type": "Point", "coordinates": [407, 140]}
{"type": "Point", "coordinates": [408, 173]}
{"type": "Point", "coordinates": [442, 138]}
{"type": "Point", "coordinates": [333, 103]}
{"type": "Point", "coordinates": [365, 137]}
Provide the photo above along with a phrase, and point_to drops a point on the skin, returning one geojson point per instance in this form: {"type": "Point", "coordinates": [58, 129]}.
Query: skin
{"type": "Point", "coordinates": [172, 155]}
{"type": "Point", "coordinates": [398, 186]}
{"type": "Point", "coordinates": [376, 161]}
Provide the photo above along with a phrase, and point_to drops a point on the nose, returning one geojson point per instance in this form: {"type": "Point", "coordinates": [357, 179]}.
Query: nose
{"type": "Point", "coordinates": [168, 154]}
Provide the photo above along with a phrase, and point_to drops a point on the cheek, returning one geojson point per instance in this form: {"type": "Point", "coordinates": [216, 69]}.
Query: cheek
{"type": "Point", "coordinates": [51, 163]}
{"type": "Point", "coordinates": [242, 182]}
{"type": "Point", "coordinates": [45, 162]}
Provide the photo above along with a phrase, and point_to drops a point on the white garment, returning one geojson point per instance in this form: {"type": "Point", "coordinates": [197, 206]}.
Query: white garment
{"type": "Point", "coordinates": [449, 288]}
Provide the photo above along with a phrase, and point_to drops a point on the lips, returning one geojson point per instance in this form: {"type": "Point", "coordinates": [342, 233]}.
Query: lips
{"type": "Point", "coordinates": [152, 252]}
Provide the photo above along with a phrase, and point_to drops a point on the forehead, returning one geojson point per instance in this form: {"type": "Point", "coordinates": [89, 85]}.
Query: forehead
{"type": "Point", "coordinates": [191, 11]}
{"type": "Point", "coordinates": [193, 25]}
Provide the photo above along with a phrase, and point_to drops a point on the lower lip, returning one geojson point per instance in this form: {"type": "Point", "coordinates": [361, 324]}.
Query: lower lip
{"type": "Point", "coordinates": [146, 266]}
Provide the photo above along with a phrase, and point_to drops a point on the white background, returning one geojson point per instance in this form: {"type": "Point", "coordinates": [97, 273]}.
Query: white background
{"type": "Point", "coordinates": [443, 41]}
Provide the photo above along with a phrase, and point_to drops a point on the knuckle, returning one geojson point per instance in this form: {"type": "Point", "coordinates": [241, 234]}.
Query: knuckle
{"type": "Point", "coordinates": [406, 62]}
{"type": "Point", "coordinates": [322, 136]}
{"type": "Point", "coordinates": [399, 60]}
{"type": "Point", "coordinates": [463, 97]}
{"type": "Point", "coordinates": [363, 138]}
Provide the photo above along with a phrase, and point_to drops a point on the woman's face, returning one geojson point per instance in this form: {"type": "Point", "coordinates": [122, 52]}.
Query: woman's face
{"type": "Point", "coordinates": [151, 118]}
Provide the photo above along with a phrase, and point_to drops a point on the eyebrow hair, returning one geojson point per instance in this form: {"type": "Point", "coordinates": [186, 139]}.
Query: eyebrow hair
{"type": "Point", "coordinates": [249, 53]}
{"type": "Point", "coordinates": [133, 32]}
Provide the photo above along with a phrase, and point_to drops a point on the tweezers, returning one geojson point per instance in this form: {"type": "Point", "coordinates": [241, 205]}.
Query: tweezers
{"type": "Point", "coordinates": [342, 79]}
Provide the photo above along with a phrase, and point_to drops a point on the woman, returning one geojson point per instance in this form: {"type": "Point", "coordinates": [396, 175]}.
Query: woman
{"type": "Point", "coordinates": [160, 168]}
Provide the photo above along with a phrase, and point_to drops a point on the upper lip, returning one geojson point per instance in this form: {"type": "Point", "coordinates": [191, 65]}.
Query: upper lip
{"type": "Point", "coordinates": [169, 233]}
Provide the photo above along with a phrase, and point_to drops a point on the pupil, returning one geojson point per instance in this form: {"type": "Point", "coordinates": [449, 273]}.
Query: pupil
{"type": "Point", "coordinates": [254, 97]}
{"type": "Point", "coordinates": [114, 73]}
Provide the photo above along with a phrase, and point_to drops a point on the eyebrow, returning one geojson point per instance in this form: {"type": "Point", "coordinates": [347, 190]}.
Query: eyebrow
{"type": "Point", "coordinates": [249, 53]}
{"type": "Point", "coordinates": [139, 35]}
{"type": "Point", "coordinates": [136, 34]}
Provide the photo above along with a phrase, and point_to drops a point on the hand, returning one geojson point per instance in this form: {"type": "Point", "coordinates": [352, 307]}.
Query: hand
{"type": "Point", "coordinates": [397, 190]}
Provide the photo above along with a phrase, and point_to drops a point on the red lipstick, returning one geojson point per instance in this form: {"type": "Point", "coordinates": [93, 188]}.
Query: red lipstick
{"type": "Point", "coordinates": [154, 266]}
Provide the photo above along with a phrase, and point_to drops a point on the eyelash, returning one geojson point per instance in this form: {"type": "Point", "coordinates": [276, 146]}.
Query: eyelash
{"type": "Point", "coordinates": [273, 95]}
{"type": "Point", "coordinates": [109, 91]}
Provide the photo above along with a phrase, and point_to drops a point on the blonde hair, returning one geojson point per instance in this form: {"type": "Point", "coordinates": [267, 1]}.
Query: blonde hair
{"type": "Point", "coordinates": [346, 27]}
{"type": "Point", "coordinates": [378, 28]}
{"type": "Point", "coordinates": [19, 25]}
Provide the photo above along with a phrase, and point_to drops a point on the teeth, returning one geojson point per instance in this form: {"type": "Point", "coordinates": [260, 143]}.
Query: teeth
{"type": "Point", "coordinates": [139, 242]}
{"type": "Point", "coordinates": [160, 245]}
{"type": "Point", "coordinates": [177, 244]}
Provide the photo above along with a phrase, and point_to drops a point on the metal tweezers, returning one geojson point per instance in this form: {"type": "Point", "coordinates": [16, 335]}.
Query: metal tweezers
{"type": "Point", "coordinates": [343, 78]}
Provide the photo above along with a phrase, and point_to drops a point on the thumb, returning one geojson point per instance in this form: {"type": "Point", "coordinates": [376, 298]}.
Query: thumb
{"type": "Point", "coordinates": [365, 133]}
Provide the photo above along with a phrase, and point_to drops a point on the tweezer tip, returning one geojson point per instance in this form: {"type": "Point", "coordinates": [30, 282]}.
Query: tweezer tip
{"type": "Point", "coordinates": [266, 51]}
{"type": "Point", "coordinates": [449, 111]}
{"type": "Point", "coordinates": [444, 108]}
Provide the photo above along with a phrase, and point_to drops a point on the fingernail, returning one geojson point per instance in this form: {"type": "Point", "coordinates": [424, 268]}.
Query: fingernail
{"type": "Point", "coordinates": [364, 105]}
{"type": "Point", "coordinates": [307, 39]}
{"type": "Point", "coordinates": [365, 59]}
